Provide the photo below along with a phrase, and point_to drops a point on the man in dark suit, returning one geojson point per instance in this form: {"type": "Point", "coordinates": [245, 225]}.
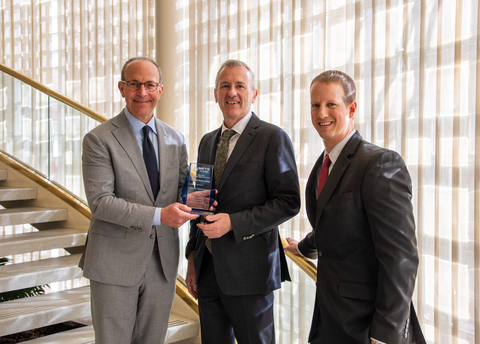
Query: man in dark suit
{"type": "Point", "coordinates": [257, 191]}
{"type": "Point", "coordinates": [363, 229]}
{"type": "Point", "coordinates": [134, 166]}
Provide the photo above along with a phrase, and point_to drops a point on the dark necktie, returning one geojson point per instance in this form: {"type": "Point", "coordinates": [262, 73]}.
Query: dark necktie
{"type": "Point", "coordinates": [322, 178]}
{"type": "Point", "coordinates": [150, 159]}
{"type": "Point", "coordinates": [221, 156]}
{"type": "Point", "coordinates": [220, 162]}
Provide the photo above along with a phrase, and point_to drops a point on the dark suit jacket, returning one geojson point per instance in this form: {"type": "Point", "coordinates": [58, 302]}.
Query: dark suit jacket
{"type": "Point", "coordinates": [259, 189]}
{"type": "Point", "coordinates": [364, 238]}
{"type": "Point", "coordinates": [121, 237]}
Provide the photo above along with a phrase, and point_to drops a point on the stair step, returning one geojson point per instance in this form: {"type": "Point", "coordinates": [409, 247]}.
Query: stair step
{"type": "Point", "coordinates": [39, 272]}
{"type": "Point", "coordinates": [3, 174]}
{"type": "Point", "coordinates": [17, 194]}
{"type": "Point", "coordinates": [81, 335]}
{"type": "Point", "coordinates": [39, 311]}
{"type": "Point", "coordinates": [42, 240]}
{"type": "Point", "coordinates": [179, 328]}
{"type": "Point", "coordinates": [18, 216]}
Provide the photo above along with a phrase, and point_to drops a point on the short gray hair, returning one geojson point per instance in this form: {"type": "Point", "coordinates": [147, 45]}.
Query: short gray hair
{"type": "Point", "coordinates": [232, 64]}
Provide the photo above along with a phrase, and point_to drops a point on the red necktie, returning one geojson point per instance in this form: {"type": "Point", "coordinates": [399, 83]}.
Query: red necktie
{"type": "Point", "coordinates": [322, 178]}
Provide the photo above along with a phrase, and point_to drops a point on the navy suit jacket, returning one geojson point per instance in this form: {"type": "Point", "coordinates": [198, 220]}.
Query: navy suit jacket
{"type": "Point", "coordinates": [259, 189]}
{"type": "Point", "coordinates": [364, 239]}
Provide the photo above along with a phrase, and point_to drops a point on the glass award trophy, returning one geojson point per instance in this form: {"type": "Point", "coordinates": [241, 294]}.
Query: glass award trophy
{"type": "Point", "coordinates": [198, 192]}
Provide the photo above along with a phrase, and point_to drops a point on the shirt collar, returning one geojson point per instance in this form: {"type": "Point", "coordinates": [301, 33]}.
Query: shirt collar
{"type": "Point", "coordinates": [240, 126]}
{"type": "Point", "coordinates": [335, 152]}
{"type": "Point", "coordinates": [137, 124]}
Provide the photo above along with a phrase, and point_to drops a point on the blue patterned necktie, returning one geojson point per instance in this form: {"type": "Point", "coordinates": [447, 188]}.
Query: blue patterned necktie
{"type": "Point", "coordinates": [150, 159]}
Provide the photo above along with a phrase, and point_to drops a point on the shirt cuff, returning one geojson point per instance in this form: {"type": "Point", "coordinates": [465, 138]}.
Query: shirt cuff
{"type": "Point", "coordinates": [300, 253]}
{"type": "Point", "coordinates": [157, 218]}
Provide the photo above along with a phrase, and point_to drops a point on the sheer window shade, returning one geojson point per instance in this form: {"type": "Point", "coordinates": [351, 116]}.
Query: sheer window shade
{"type": "Point", "coordinates": [416, 67]}
{"type": "Point", "coordinates": [76, 48]}
{"type": "Point", "coordinates": [415, 64]}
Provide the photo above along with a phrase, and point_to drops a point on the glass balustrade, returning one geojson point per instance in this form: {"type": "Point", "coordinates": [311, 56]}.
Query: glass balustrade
{"type": "Point", "coordinates": [43, 132]}
{"type": "Point", "coordinates": [47, 134]}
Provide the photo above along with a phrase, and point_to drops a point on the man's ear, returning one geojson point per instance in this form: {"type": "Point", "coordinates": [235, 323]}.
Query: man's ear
{"type": "Point", "coordinates": [121, 86]}
{"type": "Point", "coordinates": [255, 95]}
{"type": "Point", "coordinates": [353, 108]}
{"type": "Point", "coordinates": [159, 90]}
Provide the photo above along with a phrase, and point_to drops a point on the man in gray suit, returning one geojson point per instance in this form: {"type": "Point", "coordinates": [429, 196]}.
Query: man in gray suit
{"type": "Point", "coordinates": [236, 261]}
{"type": "Point", "coordinates": [131, 256]}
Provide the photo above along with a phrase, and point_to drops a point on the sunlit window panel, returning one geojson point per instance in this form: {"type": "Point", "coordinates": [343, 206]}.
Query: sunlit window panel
{"type": "Point", "coordinates": [414, 63]}
{"type": "Point", "coordinates": [76, 48]}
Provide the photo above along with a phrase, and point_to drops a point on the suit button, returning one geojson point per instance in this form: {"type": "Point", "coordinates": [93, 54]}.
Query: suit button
{"type": "Point", "coordinates": [320, 253]}
{"type": "Point", "coordinates": [152, 236]}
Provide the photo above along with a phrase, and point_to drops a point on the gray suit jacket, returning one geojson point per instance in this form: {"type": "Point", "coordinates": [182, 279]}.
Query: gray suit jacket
{"type": "Point", "coordinates": [364, 239]}
{"type": "Point", "coordinates": [121, 236]}
{"type": "Point", "coordinates": [259, 189]}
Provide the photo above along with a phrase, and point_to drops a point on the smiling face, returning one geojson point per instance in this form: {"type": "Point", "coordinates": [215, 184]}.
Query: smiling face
{"type": "Point", "coordinates": [234, 94]}
{"type": "Point", "coordinates": [331, 117]}
{"type": "Point", "coordinates": [141, 103]}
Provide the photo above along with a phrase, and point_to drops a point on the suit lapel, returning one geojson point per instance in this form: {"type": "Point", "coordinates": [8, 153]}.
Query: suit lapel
{"type": "Point", "coordinates": [212, 146]}
{"type": "Point", "coordinates": [127, 140]}
{"type": "Point", "coordinates": [336, 174]}
{"type": "Point", "coordinates": [310, 196]}
{"type": "Point", "coordinates": [240, 147]}
{"type": "Point", "coordinates": [330, 185]}
{"type": "Point", "coordinates": [163, 152]}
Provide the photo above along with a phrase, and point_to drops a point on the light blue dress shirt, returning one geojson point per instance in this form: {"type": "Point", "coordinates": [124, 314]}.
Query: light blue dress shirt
{"type": "Point", "coordinates": [137, 126]}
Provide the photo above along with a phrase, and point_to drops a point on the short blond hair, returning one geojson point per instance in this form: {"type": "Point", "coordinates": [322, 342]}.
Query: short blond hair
{"type": "Point", "coordinates": [341, 78]}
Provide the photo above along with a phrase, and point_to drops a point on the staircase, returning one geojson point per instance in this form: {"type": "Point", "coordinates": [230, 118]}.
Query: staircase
{"type": "Point", "coordinates": [61, 225]}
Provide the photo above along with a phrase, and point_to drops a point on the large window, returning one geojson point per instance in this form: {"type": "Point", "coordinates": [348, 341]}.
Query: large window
{"type": "Point", "coordinates": [416, 66]}
{"type": "Point", "coordinates": [77, 48]}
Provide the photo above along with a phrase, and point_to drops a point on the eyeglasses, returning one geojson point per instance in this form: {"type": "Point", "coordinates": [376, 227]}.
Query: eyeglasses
{"type": "Point", "coordinates": [135, 85]}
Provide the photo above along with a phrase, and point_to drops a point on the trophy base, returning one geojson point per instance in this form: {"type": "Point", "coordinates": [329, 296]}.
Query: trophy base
{"type": "Point", "coordinates": [201, 212]}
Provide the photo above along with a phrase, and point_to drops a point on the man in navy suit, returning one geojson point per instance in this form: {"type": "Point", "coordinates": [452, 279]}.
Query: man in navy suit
{"type": "Point", "coordinates": [363, 229]}
{"type": "Point", "coordinates": [257, 191]}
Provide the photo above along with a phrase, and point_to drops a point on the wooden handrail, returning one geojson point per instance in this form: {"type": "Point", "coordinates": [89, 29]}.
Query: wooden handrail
{"type": "Point", "coordinates": [60, 97]}
{"type": "Point", "coordinates": [53, 187]}
{"type": "Point", "coordinates": [303, 263]}
{"type": "Point", "coordinates": [182, 291]}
